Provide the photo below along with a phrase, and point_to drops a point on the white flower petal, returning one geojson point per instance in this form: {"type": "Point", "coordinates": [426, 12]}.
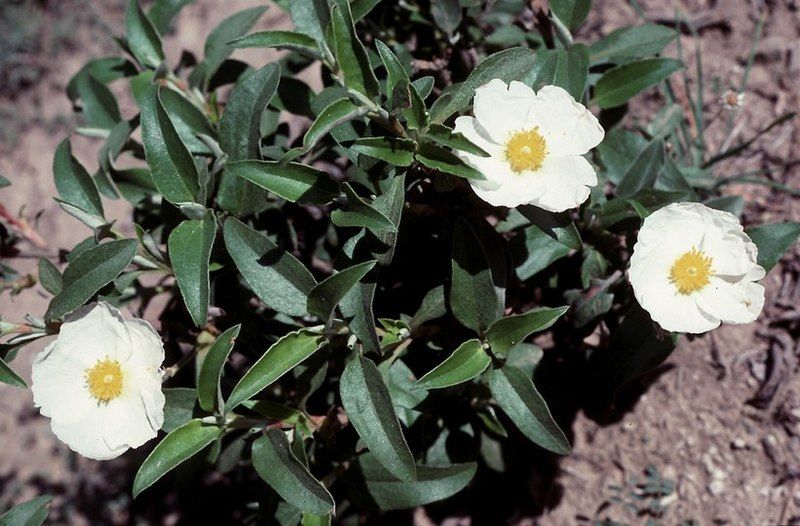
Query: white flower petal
{"type": "Point", "coordinates": [518, 189]}
{"type": "Point", "coordinates": [567, 126]}
{"type": "Point", "coordinates": [502, 109]}
{"type": "Point", "coordinates": [101, 429]}
{"type": "Point", "coordinates": [672, 311]}
{"type": "Point", "coordinates": [739, 302]}
{"type": "Point", "coordinates": [566, 182]}
{"type": "Point", "coordinates": [494, 168]}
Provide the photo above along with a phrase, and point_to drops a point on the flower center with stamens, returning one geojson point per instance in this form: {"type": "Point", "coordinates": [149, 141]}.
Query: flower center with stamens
{"type": "Point", "coordinates": [691, 271]}
{"type": "Point", "coordinates": [104, 380]}
{"type": "Point", "coordinates": [526, 150]}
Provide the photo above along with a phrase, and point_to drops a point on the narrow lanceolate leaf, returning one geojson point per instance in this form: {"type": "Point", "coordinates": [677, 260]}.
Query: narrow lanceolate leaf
{"type": "Point", "coordinates": [217, 47]}
{"type": "Point", "coordinates": [211, 371]}
{"type": "Point", "coordinates": [571, 12]}
{"type": "Point", "coordinates": [619, 84]}
{"type": "Point", "coordinates": [399, 152]}
{"type": "Point", "coordinates": [573, 70]}
{"type": "Point", "coordinates": [773, 240]}
{"type": "Point", "coordinates": [336, 113]}
{"type": "Point", "coordinates": [49, 276]}
{"type": "Point", "coordinates": [351, 56]}
{"type": "Point", "coordinates": [361, 214]}
{"type": "Point", "coordinates": [473, 298]}
{"type": "Point", "coordinates": [171, 165]}
{"type": "Point", "coordinates": [188, 120]}
{"type": "Point", "coordinates": [323, 298]}
{"type": "Point", "coordinates": [518, 398]}
{"type": "Point", "coordinates": [310, 17]}
{"type": "Point", "coordinates": [391, 204]}
{"type": "Point", "coordinates": [189, 252]}
{"type": "Point", "coordinates": [99, 106]}
{"type": "Point", "coordinates": [8, 376]}
{"type": "Point", "coordinates": [30, 513]}
{"type": "Point", "coordinates": [631, 42]}
{"type": "Point", "coordinates": [467, 361]}
{"type": "Point", "coordinates": [276, 464]}
{"type": "Point", "coordinates": [290, 40]}
{"type": "Point", "coordinates": [433, 483]}
{"type": "Point", "coordinates": [104, 70]}
{"type": "Point", "coordinates": [506, 332]}
{"type": "Point", "coordinates": [274, 275]}
{"type": "Point", "coordinates": [89, 272]}
{"type": "Point", "coordinates": [240, 136]}
{"type": "Point", "coordinates": [142, 37]}
{"type": "Point", "coordinates": [643, 172]}
{"type": "Point", "coordinates": [397, 75]}
{"type": "Point", "coordinates": [177, 447]}
{"type": "Point", "coordinates": [368, 405]}
{"type": "Point", "coordinates": [73, 182]}
{"type": "Point", "coordinates": [439, 159]}
{"type": "Point", "coordinates": [162, 12]}
{"type": "Point", "coordinates": [295, 182]}
{"type": "Point", "coordinates": [279, 359]}
{"type": "Point", "coordinates": [441, 134]}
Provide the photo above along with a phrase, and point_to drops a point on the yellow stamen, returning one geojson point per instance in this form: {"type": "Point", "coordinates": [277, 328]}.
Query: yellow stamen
{"type": "Point", "coordinates": [104, 380]}
{"type": "Point", "coordinates": [526, 150]}
{"type": "Point", "coordinates": [691, 271]}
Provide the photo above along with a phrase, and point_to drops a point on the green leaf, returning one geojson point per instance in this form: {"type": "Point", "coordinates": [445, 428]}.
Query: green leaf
{"type": "Point", "coordinates": [73, 182]}
{"type": "Point", "coordinates": [361, 214]}
{"type": "Point", "coordinates": [213, 364]}
{"type": "Point", "coordinates": [163, 12]}
{"type": "Point", "coordinates": [100, 108]}
{"type": "Point", "coordinates": [177, 447]}
{"type": "Point", "coordinates": [103, 70]}
{"type": "Point", "coordinates": [274, 462]}
{"type": "Point", "coordinates": [310, 17]}
{"type": "Point", "coordinates": [352, 58]}
{"type": "Point", "coordinates": [295, 182]}
{"type": "Point", "coordinates": [773, 240]}
{"type": "Point", "coordinates": [440, 159]}
{"type": "Point", "coordinates": [473, 298]}
{"type": "Point", "coordinates": [511, 64]}
{"type": "Point", "coordinates": [8, 376]}
{"type": "Point", "coordinates": [290, 40]}
{"type": "Point", "coordinates": [631, 42]}
{"type": "Point", "coordinates": [142, 38]}
{"type": "Point", "coordinates": [619, 84]}
{"type": "Point", "coordinates": [323, 298]}
{"type": "Point", "coordinates": [217, 48]}
{"type": "Point", "coordinates": [368, 405]}
{"type": "Point", "coordinates": [534, 250]}
{"type": "Point", "coordinates": [274, 275]}
{"type": "Point", "coordinates": [441, 134]}
{"type": "Point", "coordinates": [467, 361]}
{"type": "Point", "coordinates": [240, 137]}
{"type": "Point", "coordinates": [171, 165]}
{"type": "Point", "coordinates": [89, 272]}
{"type": "Point", "coordinates": [397, 75]}
{"type": "Point", "coordinates": [399, 152]}
{"type": "Point", "coordinates": [188, 121]}
{"type": "Point", "coordinates": [432, 483]}
{"type": "Point", "coordinates": [447, 14]}
{"type": "Point", "coordinates": [557, 225]}
{"type": "Point", "coordinates": [433, 306]}
{"type": "Point", "coordinates": [189, 252]}
{"type": "Point", "coordinates": [518, 398]}
{"type": "Point", "coordinates": [573, 70]}
{"type": "Point", "coordinates": [571, 12]}
{"type": "Point", "coordinates": [507, 332]}
{"type": "Point", "coordinates": [179, 406]}
{"type": "Point", "coordinates": [49, 276]}
{"type": "Point", "coordinates": [30, 513]}
{"type": "Point", "coordinates": [4, 182]}
{"type": "Point", "coordinates": [643, 172]}
{"type": "Point", "coordinates": [283, 356]}
{"type": "Point", "coordinates": [336, 113]}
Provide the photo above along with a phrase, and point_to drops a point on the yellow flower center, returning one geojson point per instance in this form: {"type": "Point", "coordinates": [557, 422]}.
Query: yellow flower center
{"type": "Point", "coordinates": [691, 271]}
{"type": "Point", "coordinates": [104, 380]}
{"type": "Point", "coordinates": [525, 150]}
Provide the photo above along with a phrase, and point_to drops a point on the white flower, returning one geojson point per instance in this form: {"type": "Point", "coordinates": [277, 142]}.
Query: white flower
{"type": "Point", "coordinates": [100, 382]}
{"type": "Point", "coordinates": [694, 267]}
{"type": "Point", "coordinates": [535, 143]}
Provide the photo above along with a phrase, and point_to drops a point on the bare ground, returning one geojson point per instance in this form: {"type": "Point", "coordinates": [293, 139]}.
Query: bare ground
{"type": "Point", "coordinates": [732, 462]}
